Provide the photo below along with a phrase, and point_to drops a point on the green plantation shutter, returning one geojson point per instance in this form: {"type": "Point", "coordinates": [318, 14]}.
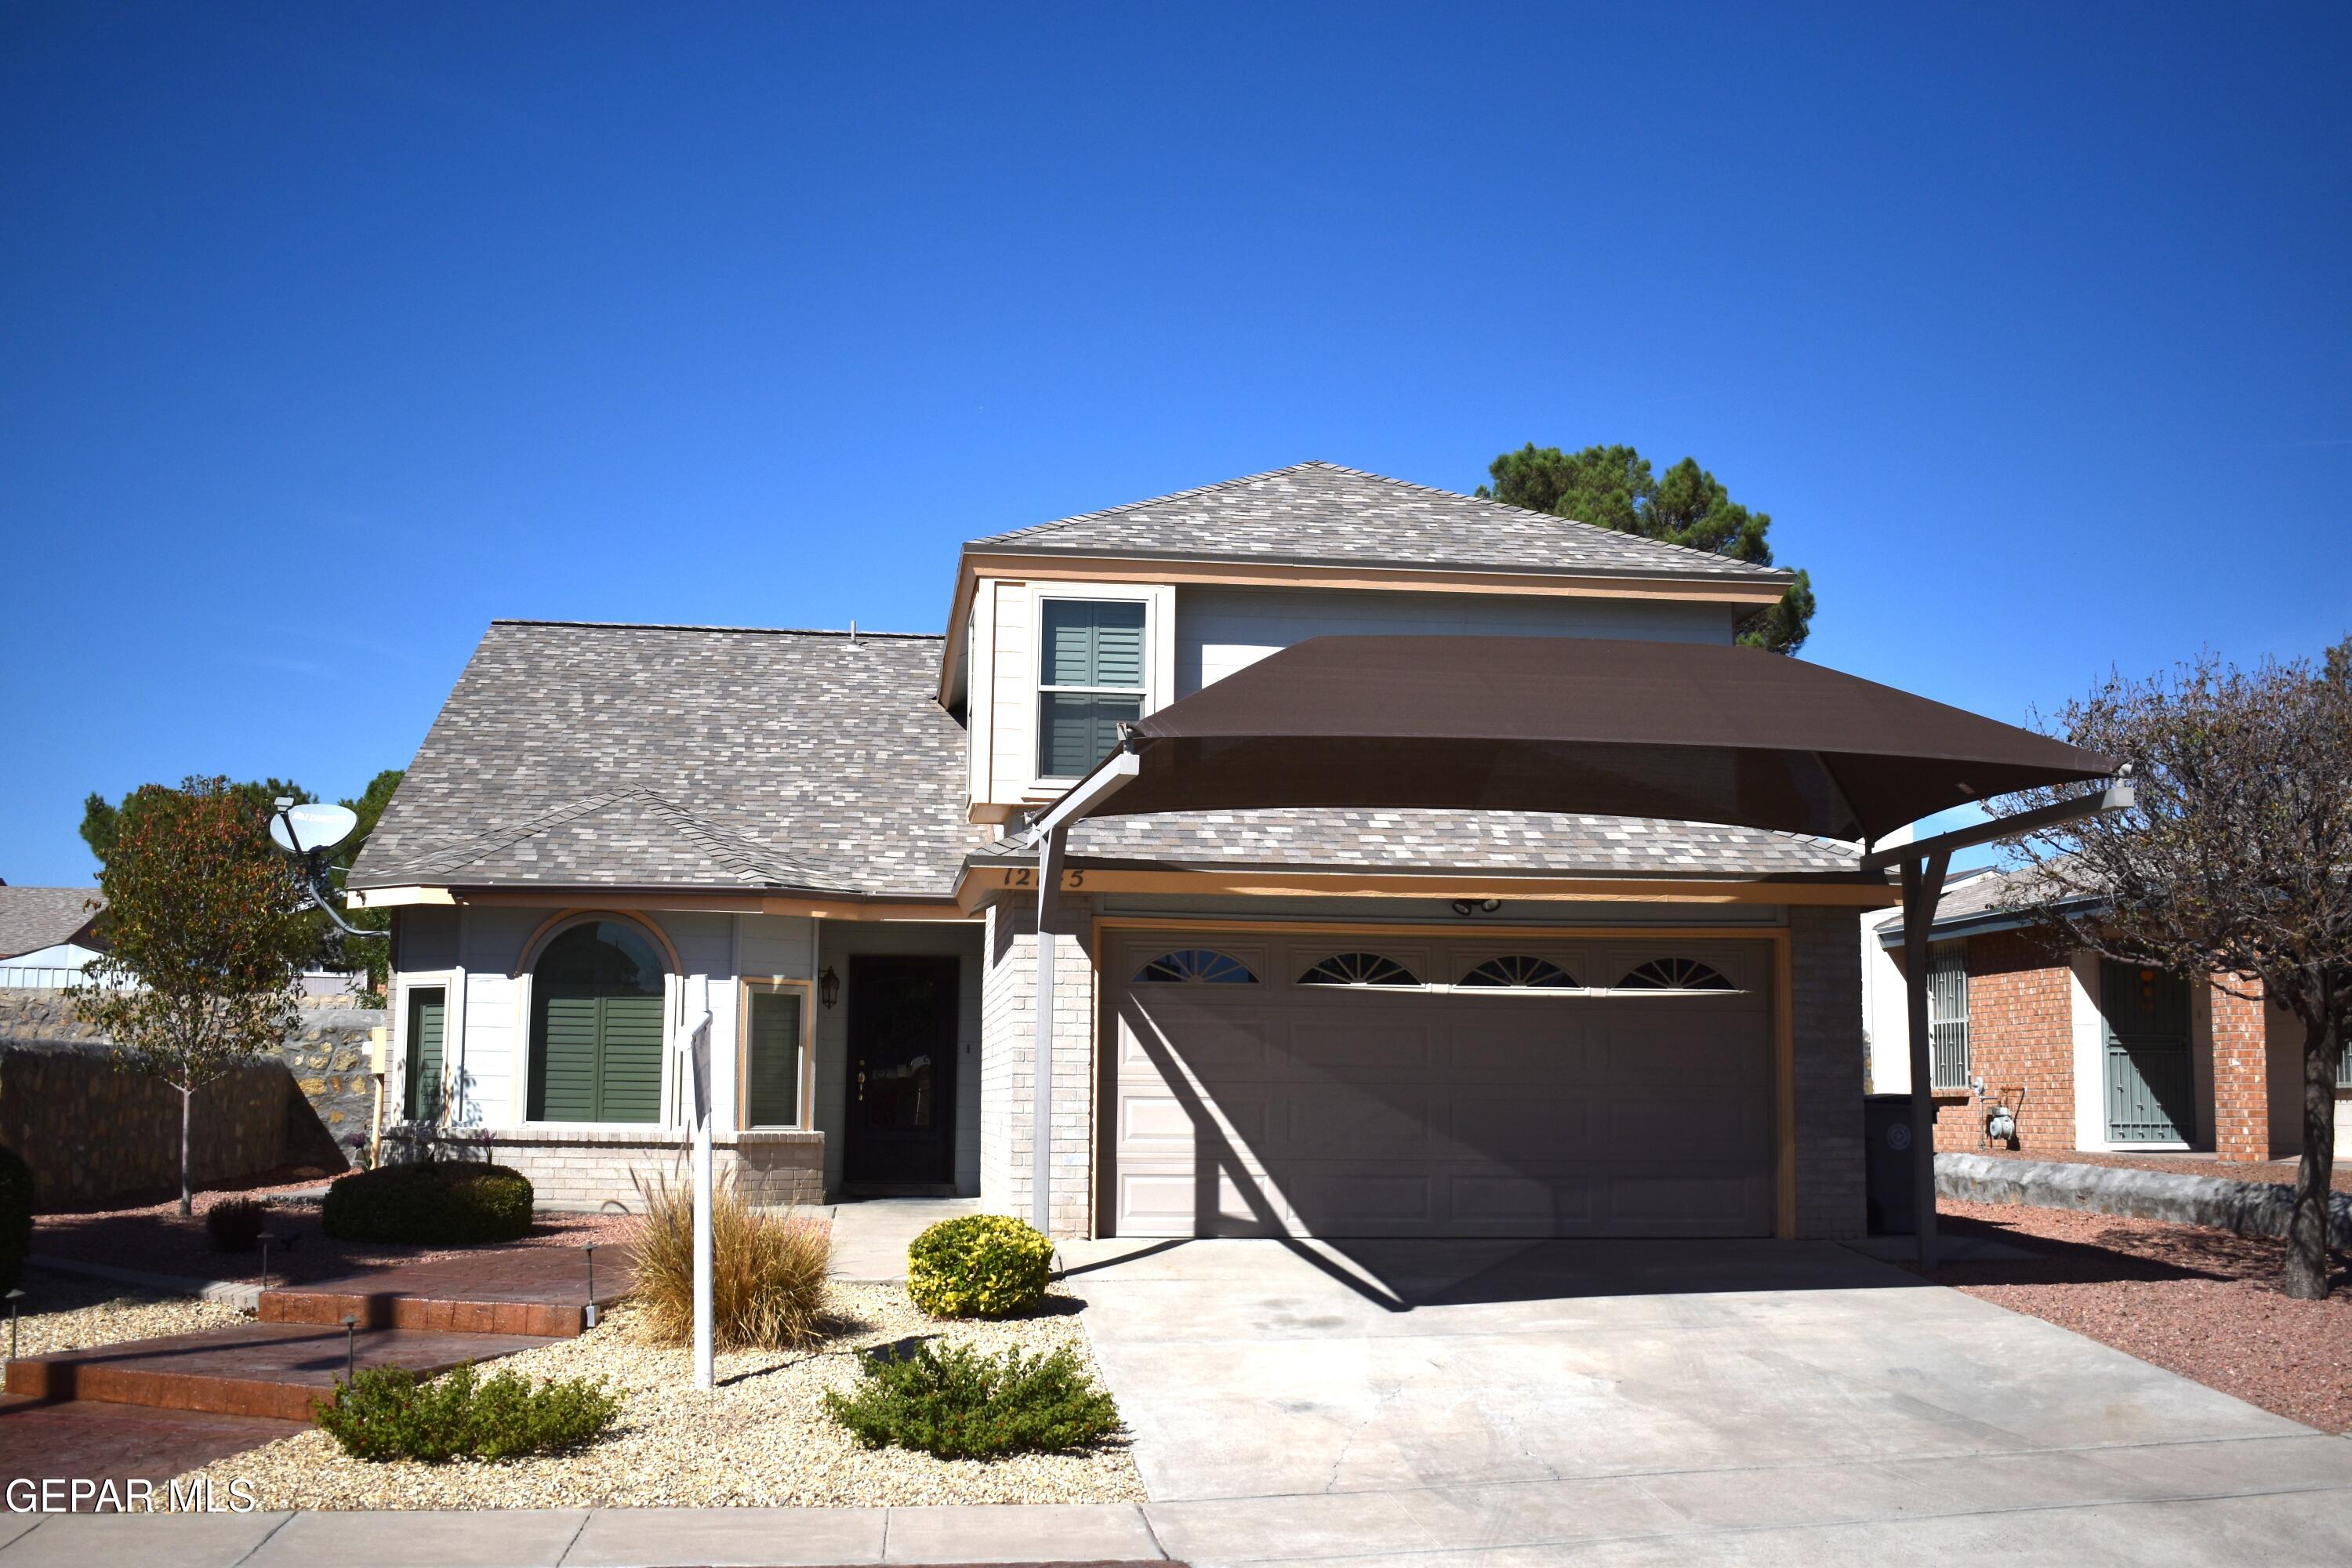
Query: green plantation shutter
{"type": "Point", "coordinates": [428, 1013]}
{"type": "Point", "coordinates": [599, 1060]}
{"type": "Point", "coordinates": [563, 1080]}
{"type": "Point", "coordinates": [1092, 665]}
{"type": "Point", "coordinates": [773, 1072]}
{"type": "Point", "coordinates": [631, 1082]}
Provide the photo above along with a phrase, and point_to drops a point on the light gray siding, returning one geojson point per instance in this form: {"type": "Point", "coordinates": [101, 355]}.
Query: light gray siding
{"type": "Point", "coordinates": [1220, 630]}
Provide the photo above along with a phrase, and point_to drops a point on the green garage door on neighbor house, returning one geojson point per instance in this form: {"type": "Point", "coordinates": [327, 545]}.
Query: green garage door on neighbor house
{"type": "Point", "coordinates": [596, 1027]}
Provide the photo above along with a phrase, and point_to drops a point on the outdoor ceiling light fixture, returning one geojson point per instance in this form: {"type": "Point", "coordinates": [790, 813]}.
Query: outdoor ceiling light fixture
{"type": "Point", "coordinates": [1466, 907]}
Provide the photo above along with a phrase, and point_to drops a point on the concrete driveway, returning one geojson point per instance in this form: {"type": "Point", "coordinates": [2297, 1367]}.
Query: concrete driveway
{"type": "Point", "coordinates": [1666, 1402]}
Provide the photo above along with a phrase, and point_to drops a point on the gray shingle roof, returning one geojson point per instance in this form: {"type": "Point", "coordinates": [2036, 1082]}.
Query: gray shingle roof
{"type": "Point", "coordinates": [597, 755]}
{"type": "Point", "coordinates": [1987, 898]}
{"type": "Point", "coordinates": [1532, 843]}
{"type": "Point", "coordinates": [1321, 513]}
{"type": "Point", "coordinates": [32, 917]}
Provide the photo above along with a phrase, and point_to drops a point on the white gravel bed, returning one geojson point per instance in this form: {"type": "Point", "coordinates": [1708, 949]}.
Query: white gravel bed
{"type": "Point", "coordinates": [66, 1312]}
{"type": "Point", "coordinates": [761, 1438]}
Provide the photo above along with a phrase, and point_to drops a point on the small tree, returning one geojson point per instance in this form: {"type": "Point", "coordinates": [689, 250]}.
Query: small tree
{"type": "Point", "coordinates": [2236, 864]}
{"type": "Point", "coordinates": [204, 940]}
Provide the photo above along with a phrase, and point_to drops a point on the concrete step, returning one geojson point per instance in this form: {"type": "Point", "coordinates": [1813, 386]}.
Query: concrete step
{"type": "Point", "coordinates": [540, 1290]}
{"type": "Point", "coordinates": [254, 1368]}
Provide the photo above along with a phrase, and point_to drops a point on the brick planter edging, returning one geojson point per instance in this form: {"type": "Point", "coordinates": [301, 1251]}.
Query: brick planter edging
{"type": "Point", "coordinates": [2250, 1208]}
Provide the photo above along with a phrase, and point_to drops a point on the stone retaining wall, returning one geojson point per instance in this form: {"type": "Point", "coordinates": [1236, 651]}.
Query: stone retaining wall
{"type": "Point", "coordinates": [600, 1167]}
{"type": "Point", "coordinates": [2250, 1208]}
{"type": "Point", "coordinates": [94, 1133]}
{"type": "Point", "coordinates": [327, 1053]}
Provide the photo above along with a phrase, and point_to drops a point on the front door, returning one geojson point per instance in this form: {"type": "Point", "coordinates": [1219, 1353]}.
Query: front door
{"type": "Point", "coordinates": [2151, 1096]}
{"type": "Point", "coordinates": [902, 1057]}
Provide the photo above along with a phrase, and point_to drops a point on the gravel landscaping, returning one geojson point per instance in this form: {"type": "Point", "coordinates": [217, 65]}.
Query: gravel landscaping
{"type": "Point", "coordinates": [61, 1312]}
{"type": "Point", "coordinates": [158, 1239]}
{"type": "Point", "coordinates": [2200, 1302]}
{"type": "Point", "coordinates": [761, 1438]}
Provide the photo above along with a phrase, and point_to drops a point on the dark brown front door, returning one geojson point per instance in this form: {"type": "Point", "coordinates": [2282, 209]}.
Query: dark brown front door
{"type": "Point", "coordinates": [902, 1059]}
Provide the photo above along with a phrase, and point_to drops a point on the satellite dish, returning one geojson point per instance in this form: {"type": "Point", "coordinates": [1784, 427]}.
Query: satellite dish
{"type": "Point", "coordinates": [303, 830]}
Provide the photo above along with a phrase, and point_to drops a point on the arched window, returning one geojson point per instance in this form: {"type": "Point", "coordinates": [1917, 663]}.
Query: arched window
{"type": "Point", "coordinates": [1195, 965]}
{"type": "Point", "coordinates": [1358, 969]}
{"type": "Point", "coordinates": [596, 1026]}
{"type": "Point", "coordinates": [1675, 974]}
{"type": "Point", "coordinates": [1521, 971]}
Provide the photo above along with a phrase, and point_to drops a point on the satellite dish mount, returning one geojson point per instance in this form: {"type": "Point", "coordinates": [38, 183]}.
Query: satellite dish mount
{"type": "Point", "coordinates": [308, 833]}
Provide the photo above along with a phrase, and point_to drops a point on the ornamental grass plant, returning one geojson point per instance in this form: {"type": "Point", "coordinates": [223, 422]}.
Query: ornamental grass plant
{"type": "Point", "coordinates": [767, 1271]}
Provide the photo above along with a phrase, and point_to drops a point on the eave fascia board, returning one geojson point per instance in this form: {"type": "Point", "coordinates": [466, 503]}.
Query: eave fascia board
{"type": "Point", "coordinates": [1007, 876]}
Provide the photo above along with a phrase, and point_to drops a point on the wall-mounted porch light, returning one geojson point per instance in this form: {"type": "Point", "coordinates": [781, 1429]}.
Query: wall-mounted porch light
{"type": "Point", "coordinates": [828, 986]}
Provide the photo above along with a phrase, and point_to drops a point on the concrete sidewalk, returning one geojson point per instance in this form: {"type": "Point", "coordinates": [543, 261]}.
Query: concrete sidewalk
{"type": "Point", "coordinates": [2298, 1513]}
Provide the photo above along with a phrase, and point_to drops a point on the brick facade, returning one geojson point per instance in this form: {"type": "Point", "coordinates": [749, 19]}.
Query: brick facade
{"type": "Point", "coordinates": [1825, 998]}
{"type": "Point", "coordinates": [1008, 1068]}
{"type": "Point", "coordinates": [597, 1167]}
{"type": "Point", "coordinates": [2241, 1106]}
{"type": "Point", "coordinates": [2020, 1042]}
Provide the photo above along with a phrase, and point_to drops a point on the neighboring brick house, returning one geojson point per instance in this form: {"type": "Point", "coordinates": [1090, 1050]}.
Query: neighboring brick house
{"type": "Point", "coordinates": [2084, 1053]}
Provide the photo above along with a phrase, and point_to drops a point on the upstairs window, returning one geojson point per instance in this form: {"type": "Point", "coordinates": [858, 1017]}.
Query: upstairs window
{"type": "Point", "coordinates": [1358, 969]}
{"type": "Point", "coordinates": [1195, 965]}
{"type": "Point", "coordinates": [1675, 974]}
{"type": "Point", "coordinates": [1521, 972]}
{"type": "Point", "coordinates": [1089, 681]}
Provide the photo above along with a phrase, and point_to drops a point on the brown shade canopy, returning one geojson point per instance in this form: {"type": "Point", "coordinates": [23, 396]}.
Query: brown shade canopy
{"type": "Point", "coordinates": [1684, 730]}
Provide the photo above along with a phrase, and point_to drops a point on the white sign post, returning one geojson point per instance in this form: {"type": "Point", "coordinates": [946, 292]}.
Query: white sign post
{"type": "Point", "coordinates": [694, 1051]}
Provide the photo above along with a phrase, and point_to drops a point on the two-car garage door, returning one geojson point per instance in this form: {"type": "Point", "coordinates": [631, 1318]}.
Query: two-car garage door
{"type": "Point", "coordinates": [1349, 1086]}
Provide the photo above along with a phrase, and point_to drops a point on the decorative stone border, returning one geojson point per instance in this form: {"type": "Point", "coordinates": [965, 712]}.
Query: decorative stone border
{"type": "Point", "coordinates": [2250, 1208]}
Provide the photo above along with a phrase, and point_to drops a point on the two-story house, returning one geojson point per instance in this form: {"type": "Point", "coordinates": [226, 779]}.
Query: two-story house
{"type": "Point", "coordinates": [1336, 1023]}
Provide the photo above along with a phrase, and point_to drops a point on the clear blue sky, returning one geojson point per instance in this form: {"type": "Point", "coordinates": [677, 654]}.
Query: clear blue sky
{"type": "Point", "coordinates": [329, 332]}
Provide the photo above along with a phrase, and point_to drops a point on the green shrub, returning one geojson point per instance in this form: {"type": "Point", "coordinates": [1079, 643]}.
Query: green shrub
{"type": "Point", "coordinates": [387, 1414]}
{"type": "Point", "coordinates": [450, 1202]}
{"type": "Point", "coordinates": [979, 1266]}
{"type": "Point", "coordinates": [16, 1216]}
{"type": "Point", "coordinates": [958, 1405]}
{"type": "Point", "coordinates": [767, 1271]}
{"type": "Point", "coordinates": [236, 1226]}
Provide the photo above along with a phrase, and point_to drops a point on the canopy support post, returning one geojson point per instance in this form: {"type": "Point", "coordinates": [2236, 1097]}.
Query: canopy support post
{"type": "Point", "coordinates": [1923, 884]}
{"type": "Point", "coordinates": [1041, 1153]}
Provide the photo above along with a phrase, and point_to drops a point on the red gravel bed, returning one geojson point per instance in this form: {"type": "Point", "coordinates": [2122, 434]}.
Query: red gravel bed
{"type": "Point", "coordinates": [156, 1239]}
{"type": "Point", "coordinates": [2282, 1172]}
{"type": "Point", "coordinates": [2203, 1303]}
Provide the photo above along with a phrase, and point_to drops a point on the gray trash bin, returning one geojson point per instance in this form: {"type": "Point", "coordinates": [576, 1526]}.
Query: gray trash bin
{"type": "Point", "coordinates": [1889, 1178]}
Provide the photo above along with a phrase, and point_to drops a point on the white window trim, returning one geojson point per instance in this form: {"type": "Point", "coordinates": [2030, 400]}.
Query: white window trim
{"type": "Point", "coordinates": [451, 983]}
{"type": "Point", "coordinates": [745, 988]}
{"type": "Point", "coordinates": [672, 1119]}
{"type": "Point", "coordinates": [1158, 602]}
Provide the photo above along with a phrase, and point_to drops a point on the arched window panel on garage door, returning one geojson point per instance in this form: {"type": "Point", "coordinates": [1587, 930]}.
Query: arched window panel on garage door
{"type": "Point", "coordinates": [1358, 969]}
{"type": "Point", "coordinates": [1519, 971]}
{"type": "Point", "coordinates": [1195, 966]}
{"type": "Point", "coordinates": [1675, 973]}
